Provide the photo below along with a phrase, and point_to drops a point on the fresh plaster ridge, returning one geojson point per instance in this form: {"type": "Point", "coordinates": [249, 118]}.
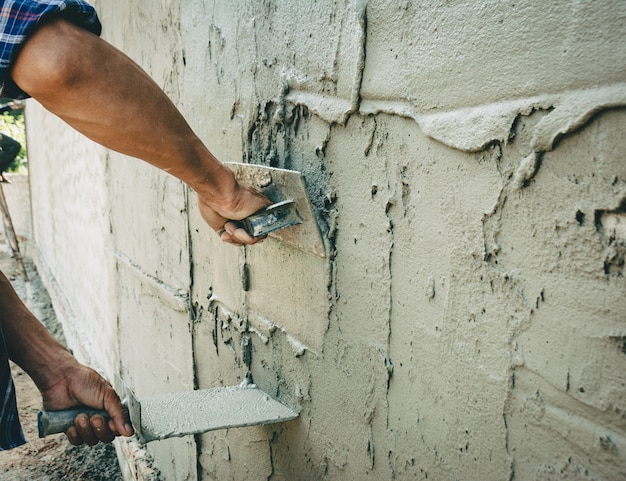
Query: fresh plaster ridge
{"type": "Point", "coordinates": [574, 109]}
{"type": "Point", "coordinates": [331, 109]}
{"type": "Point", "coordinates": [402, 108]}
{"type": "Point", "coordinates": [472, 129]}
{"type": "Point", "coordinates": [264, 339]}
{"type": "Point", "coordinates": [263, 324]}
{"type": "Point", "coordinates": [170, 296]}
{"type": "Point", "coordinates": [360, 7]}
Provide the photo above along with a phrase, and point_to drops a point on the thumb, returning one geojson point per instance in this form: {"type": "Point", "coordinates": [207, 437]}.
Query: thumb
{"type": "Point", "coordinates": [118, 412]}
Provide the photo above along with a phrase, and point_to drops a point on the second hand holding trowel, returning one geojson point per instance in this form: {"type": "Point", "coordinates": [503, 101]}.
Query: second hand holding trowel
{"type": "Point", "coordinates": [183, 413]}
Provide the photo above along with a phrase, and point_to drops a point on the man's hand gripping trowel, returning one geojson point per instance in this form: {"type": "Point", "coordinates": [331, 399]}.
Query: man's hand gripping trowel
{"type": "Point", "coordinates": [183, 413]}
{"type": "Point", "coordinates": [291, 207]}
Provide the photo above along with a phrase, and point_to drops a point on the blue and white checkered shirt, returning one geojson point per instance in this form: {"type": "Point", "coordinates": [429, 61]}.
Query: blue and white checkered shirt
{"type": "Point", "coordinates": [18, 18]}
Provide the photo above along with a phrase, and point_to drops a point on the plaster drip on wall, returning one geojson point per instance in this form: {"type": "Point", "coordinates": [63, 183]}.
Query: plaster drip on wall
{"type": "Point", "coordinates": [473, 129]}
{"type": "Point", "coordinates": [255, 324]}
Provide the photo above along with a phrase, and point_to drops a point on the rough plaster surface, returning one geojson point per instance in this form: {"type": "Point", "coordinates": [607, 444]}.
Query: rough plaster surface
{"type": "Point", "coordinates": [466, 164]}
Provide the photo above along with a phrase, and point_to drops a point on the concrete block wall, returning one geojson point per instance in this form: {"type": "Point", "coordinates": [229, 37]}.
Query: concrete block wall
{"type": "Point", "coordinates": [465, 161]}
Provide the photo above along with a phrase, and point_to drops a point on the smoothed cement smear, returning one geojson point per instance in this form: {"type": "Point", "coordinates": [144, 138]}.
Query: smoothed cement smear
{"type": "Point", "coordinates": [193, 412]}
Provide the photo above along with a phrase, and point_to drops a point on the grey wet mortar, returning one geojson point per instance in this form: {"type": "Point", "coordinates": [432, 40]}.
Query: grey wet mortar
{"type": "Point", "coordinates": [192, 412]}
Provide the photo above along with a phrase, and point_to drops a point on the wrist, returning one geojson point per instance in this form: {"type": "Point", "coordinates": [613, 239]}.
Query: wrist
{"type": "Point", "coordinates": [49, 367]}
{"type": "Point", "coordinates": [218, 188]}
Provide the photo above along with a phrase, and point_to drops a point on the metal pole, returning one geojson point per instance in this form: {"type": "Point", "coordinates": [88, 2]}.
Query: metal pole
{"type": "Point", "coordinates": [10, 232]}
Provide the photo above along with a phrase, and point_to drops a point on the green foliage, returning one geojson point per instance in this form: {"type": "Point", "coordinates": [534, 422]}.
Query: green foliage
{"type": "Point", "coordinates": [12, 124]}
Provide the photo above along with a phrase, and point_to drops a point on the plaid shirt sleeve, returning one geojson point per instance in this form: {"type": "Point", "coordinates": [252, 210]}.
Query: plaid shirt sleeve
{"type": "Point", "coordinates": [18, 18]}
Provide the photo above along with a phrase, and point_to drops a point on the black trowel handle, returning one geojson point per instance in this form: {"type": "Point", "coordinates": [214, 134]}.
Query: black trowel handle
{"type": "Point", "coordinates": [52, 422]}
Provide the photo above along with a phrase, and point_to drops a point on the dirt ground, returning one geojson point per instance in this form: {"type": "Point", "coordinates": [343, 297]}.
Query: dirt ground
{"type": "Point", "coordinates": [52, 458]}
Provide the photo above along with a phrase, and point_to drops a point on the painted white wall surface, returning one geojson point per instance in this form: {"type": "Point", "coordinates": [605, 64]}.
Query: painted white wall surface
{"type": "Point", "coordinates": [465, 161]}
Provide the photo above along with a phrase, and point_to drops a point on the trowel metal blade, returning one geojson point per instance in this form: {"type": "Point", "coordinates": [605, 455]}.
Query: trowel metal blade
{"type": "Point", "coordinates": [134, 408]}
{"type": "Point", "coordinates": [281, 185]}
{"type": "Point", "coordinates": [195, 412]}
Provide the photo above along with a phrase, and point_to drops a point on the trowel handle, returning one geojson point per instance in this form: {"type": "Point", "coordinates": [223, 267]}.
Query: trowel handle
{"type": "Point", "coordinates": [52, 422]}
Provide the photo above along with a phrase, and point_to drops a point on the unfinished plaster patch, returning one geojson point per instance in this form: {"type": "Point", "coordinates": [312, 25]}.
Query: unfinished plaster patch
{"type": "Point", "coordinates": [473, 129]}
{"type": "Point", "coordinates": [334, 108]}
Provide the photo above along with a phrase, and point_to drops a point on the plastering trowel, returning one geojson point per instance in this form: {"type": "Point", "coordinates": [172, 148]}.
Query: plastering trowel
{"type": "Point", "coordinates": [292, 207]}
{"type": "Point", "coordinates": [183, 413]}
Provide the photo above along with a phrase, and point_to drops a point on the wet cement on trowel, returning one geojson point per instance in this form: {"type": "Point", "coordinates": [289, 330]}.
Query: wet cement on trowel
{"type": "Point", "coordinates": [193, 412]}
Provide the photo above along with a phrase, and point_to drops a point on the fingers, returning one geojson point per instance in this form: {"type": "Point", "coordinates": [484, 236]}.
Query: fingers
{"type": "Point", "coordinates": [90, 389]}
{"type": "Point", "coordinates": [245, 202]}
{"type": "Point", "coordinates": [90, 431]}
{"type": "Point", "coordinates": [233, 233]}
{"type": "Point", "coordinates": [96, 429]}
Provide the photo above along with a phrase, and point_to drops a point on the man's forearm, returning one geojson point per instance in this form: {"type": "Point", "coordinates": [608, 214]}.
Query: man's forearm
{"type": "Point", "coordinates": [29, 343]}
{"type": "Point", "coordinates": [104, 95]}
